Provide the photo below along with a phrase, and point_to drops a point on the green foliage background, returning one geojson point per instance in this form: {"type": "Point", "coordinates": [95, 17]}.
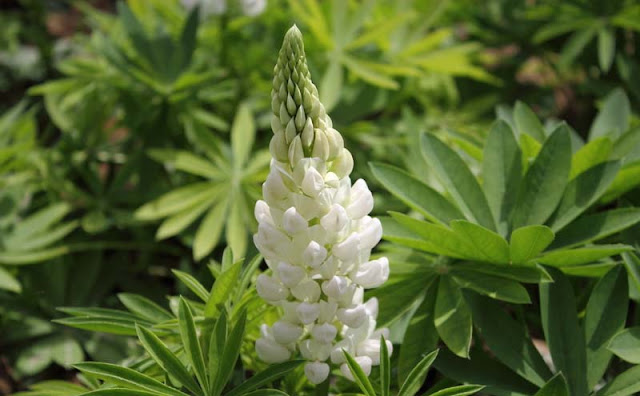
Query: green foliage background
{"type": "Point", "coordinates": [501, 141]}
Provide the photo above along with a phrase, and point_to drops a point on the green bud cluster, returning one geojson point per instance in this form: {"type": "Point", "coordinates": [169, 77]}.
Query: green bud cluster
{"type": "Point", "coordinates": [300, 123]}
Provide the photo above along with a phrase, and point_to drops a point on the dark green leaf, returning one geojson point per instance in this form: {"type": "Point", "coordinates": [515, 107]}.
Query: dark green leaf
{"type": "Point", "coordinates": [527, 122]}
{"type": "Point", "coordinates": [544, 183]}
{"type": "Point", "coordinates": [485, 242]}
{"type": "Point", "coordinates": [589, 254]}
{"type": "Point", "coordinates": [627, 383]}
{"type": "Point", "coordinates": [460, 390]}
{"type": "Point", "coordinates": [452, 317]}
{"type": "Point", "coordinates": [605, 316]}
{"type": "Point", "coordinates": [416, 194]}
{"type": "Point", "coordinates": [501, 171]}
{"type": "Point", "coordinates": [557, 386]}
{"type": "Point", "coordinates": [563, 334]}
{"type": "Point", "coordinates": [596, 226]}
{"type": "Point", "coordinates": [127, 378]}
{"type": "Point", "coordinates": [606, 48]}
{"type": "Point", "coordinates": [264, 377]}
{"type": "Point", "coordinates": [493, 286]}
{"type": "Point", "coordinates": [458, 180]}
{"type": "Point", "coordinates": [416, 377]}
{"type": "Point", "coordinates": [166, 359]}
{"type": "Point", "coordinates": [230, 353]}
{"type": "Point", "coordinates": [221, 289]}
{"type": "Point", "coordinates": [191, 343]}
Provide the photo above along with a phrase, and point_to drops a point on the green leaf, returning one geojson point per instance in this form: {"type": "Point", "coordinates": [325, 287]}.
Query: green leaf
{"type": "Point", "coordinates": [508, 340]}
{"type": "Point", "coordinates": [127, 378]}
{"type": "Point", "coordinates": [166, 359]}
{"type": "Point", "coordinates": [458, 180]}
{"type": "Point", "coordinates": [236, 232]}
{"type": "Point", "coordinates": [529, 274]}
{"type": "Point", "coordinates": [186, 162]}
{"type": "Point", "coordinates": [210, 229]}
{"type": "Point", "coordinates": [174, 201]}
{"type": "Point", "coordinates": [331, 85]}
{"type": "Point", "coordinates": [267, 392]}
{"type": "Point", "coordinates": [575, 45]}
{"type": "Point", "coordinates": [221, 290]}
{"type": "Point", "coordinates": [191, 343]}
{"type": "Point", "coordinates": [544, 182]}
{"type": "Point", "coordinates": [359, 376]}
{"type": "Point", "coordinates": [385, 368]}
{"type": "Point", "coordinates": [118, 392]}
{"type": "Point", "coordinates": [416, 377]}
{"type": "Point", "coordinates": [35, 224]}
{"type": "Point", "coordinates": [65, 350]}
{"type": "Point", "coordinates": [627, 179]}
{"type": "Point", "coordinates": [527, 122]}
{"type": "Point", "coordinates": [584, 191]}
{"type": "Point", "coordinates": [632, 264]}
{"type": "Point", "coordinates": [217, 342]}
{"type": "Point", "coordinates": [453, 317]}
{"type": "Point", "coordinates": [557, 386]}
{"type": "Point", "coordinates": [113, 326]}
{"type": "Point", "coordinates": [9, 282]}
{"type": "Point", "coordinates": [605, 316]}
{"type": "Point", "coordinates": [485, 242]}
{"type": "Point", "coordinates": [596, 226]}
{"type": "Point", "coordinates": [176, 223]}
{"type": "Point", "coordinates": [243, 132]}
{"type": "Point", "coordinates": [569, 257]}
{"type": "Point", "coordinates": [495, 287]}
{"type": "Point", "coordinates": [528, 242]}
{"type": "Point", "coordinates": [501, 172]}
{"type": "Point", "coordinates": [613, 118]}
{"type": "Point", "coordinates": [365, 71]}
{"type": "Point", "coordinates": [144, 307]}
{"type": "Point", "coordinates": [460, 390]}
{"type": "Point", "coordinates": [627, 383]}
{"type": "Point", "coordinates": [626, 345]}
{"type": "Point", "coordinates": [562, 332]}
{"type": "Point", "coordinates": [230, 353]}
{"type": "Point", "coordinates": [399, 294]}
{"type": "Point", "coordinates": [415, 193]}
{"type": "Point", "coordinates": [606, 48]}
{"type": "Point", "coordinates": [193, 284]}
{"type": "Point", "coordinates": [498, 378]}
{"type": "Point", "coordinates": [593, 153]}
{"type": "Point", "coordinates": [421, 334]}
{"type": "Point", "coordinates": [264, 377]}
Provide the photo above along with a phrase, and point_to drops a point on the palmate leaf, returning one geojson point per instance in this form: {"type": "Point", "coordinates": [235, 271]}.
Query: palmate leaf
{"type": "Point", "coordinates": [528, 242]}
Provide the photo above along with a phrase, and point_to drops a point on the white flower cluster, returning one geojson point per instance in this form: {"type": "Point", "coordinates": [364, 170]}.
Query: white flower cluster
{"type": "Point", "coordinates": [250, 8]}
{"type": "Point", "coordinates": [315, 234]}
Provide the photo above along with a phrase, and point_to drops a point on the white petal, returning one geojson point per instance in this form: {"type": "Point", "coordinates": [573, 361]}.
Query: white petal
{"type": "Point", "coordinates": [292, 222]}
{"type": "Point", "coordinates": [335, 287]}
{"type": "Point", "coordinates": [370, 233]}
{"type": "Point", "coordinates": [308, 312]}
{"type": "Point", "coordinates": [289, 274]}
{"type": "Point", "coordinates": [270, 289]}
{"type": "Point", "coordinates": [262, 212]}
{"type": "Point", "coordinates": [353, 317]}
{"type": "Point", "coordinates": [312, 183]}
{"type": "Point", "coordinates": [347, 250]}
{"type": "Point", "coordinates": [307, 291]}
{"type": "Point", "coordinates": [372, 307]}
{"type": "Point", "coordinates": [314, 254]}
{"type": "Point", "coordinates": [316, 372]}
{"type": "Point", "coordinates": [285, 332]}
{"type": "Point", "coordinates": [271, 352]}
{"type": "Point", "coordinates": [325, 332]}
{"type": "Point", "coordinates": [336, 220]}
{"type": "Point", "coordinates": [361, 200]}
{"type": "Point", "coordinates": [372, 274]}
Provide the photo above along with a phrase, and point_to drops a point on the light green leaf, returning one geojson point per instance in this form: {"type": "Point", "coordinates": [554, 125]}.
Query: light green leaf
{"type": "Point", "coordinates": [606, 48]}
{"type": "Point", "coordinates": [222, 289]}
{"type": "Point", "coordinates": [457, 180]}
{"type": "Point", "coordinates": [166, 359]}
{"type": "Point", "coordinates": [593, 153]}
{"type": "Point", "coordinates": [230, 353]}
{"type": "Point", "coordinates": [485, 242]}
{"type": "Point", "coordinates": [113, 326]}
{"type": "Point", "coordinates": [626, 345]}
{"type": "Point", "coordinates": [176, 223]}
{"type": "Point", "coordinates": [627, 179]}
{"type": "Point", "coordinates": [415, 193]}
{"type": "Point", "coordinates": [501, 171]}
{"type": "Point", "coordinates": [174, 201]}
{"type": "Point", "coordinates": [186, 162]}
{"type": "Point", "coordinates": [331, 85]}
{"type": "Point", "coordinates": [236, 232]}
{"type": "Point", "coordinates": [627, 383]}
{"type": "Point", "coordinates": [495, 287]}
{"type": "Point", "coordinates": [528, 242]}
{"type": "Point", "coordinates": [189, 338]}
{"type": "Point", "coordinates": [453, 317]}
{"type": "Point", "coordinates": [217, 341]}
{"type": "Point", "coordinates": [632, 264]}
{"type": "Point", "coordinates": [562, 332]}
{"type": "Point", "coordinates": [35, 224]}
{"type": "Point", "coordinates": [605, 316]}
{"type": "Point", "coordinates": [508, 340]}
{"type": "Point", "coordinates": [585, 255]}
{"type": "Point", "coordinates": [127, 378]}
{"type": "Point", "coordinates": [557, 386]}
{"type": "Point", "coordinates": [144, 307]}
{"type": "Point", "coordinates": [66, 351]}
{"type": "Point", "coordinates": [527, 122]}
{"type": "Point", "coordinates": [9, 282]}
{"type": "Point", "coordinates": [360, 377]}
{"type": "Point", "coordinates": [596, 226]}
{"type": "Point", "coordinates": [460, 390]}
{"type": "Point", "coordinates": [582, 192]}
{"type": "Point", "coordinates": [243, 132]}
{"type": "Point", "coordinates": [269, 375]}
{"type": "Point", "coordinates": [544, 182]}
{"type": "Point", "coordinates": [117, 392]}
{"type": "Point", "coordinates": [416, 377]}
{"type": "Point", "coordinates": [364, 70]}
{"type": "Point", "coordinates": [528, 274]}
{"type": "Point", "coordinates": [613, 118]}
{"type": "Point", "coordinates": [210, 229]}
{"type": "Point", "coordinates": [385, 368]}
{"type": "Point", "coordinates": [193, 284]}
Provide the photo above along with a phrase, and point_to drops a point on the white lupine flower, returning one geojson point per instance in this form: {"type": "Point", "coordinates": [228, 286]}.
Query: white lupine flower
{"type": "Point", "coordinates": [315, 233]}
